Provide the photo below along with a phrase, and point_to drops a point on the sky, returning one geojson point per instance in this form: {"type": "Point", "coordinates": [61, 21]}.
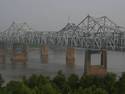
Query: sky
{"type": "Point", "coordinates": [52, 15]}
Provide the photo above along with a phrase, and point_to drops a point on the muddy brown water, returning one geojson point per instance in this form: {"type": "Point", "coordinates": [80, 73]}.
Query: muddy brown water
{"type": "Point", "coordinates": [56, 62]}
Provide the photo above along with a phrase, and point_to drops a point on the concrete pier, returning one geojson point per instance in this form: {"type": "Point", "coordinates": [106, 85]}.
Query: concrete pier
{"type": "Point", "coordinates": [104, 58]}
{"type": "Point", "coordinates": [2, 55]}
{"type": "Point", "coordinates": [87, 61]}
{"type": "Point", "coordinates": [70, 55]}
{"type": "Point", "coordinates": [44, 54]}
{"type": "Point", "coordinates": [96, 70]}
{"type": "Point", "coordinates": [19, 56]}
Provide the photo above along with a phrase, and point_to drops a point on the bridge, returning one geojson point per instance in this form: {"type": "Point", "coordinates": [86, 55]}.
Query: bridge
{"type": "Point", "coordinates": [93, 34]}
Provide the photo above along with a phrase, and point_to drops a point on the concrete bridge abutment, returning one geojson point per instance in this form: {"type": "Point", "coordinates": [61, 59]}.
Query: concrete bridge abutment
{"type": "Point", "coordinates": [96, 70]}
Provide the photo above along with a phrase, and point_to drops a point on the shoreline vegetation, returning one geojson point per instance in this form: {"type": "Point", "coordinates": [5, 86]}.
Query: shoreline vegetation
{"type": "Point", "coordinates": [60, 84]}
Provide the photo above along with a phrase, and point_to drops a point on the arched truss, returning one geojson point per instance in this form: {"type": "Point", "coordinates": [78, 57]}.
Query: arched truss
{"type": "Point", "coordinates": [90, 33]}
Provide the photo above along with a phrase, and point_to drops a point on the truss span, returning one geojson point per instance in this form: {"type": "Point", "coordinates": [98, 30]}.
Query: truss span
{"type": "Point", "coordinates": [90, 33]}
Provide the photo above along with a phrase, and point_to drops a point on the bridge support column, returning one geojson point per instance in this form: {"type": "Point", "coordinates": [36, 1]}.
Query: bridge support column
{"type": "Point", "coordinates": [87, 61]}
{"type": "Point", "coordinates": [96, 70]}
{"type": "Point", "coordinates": [2, 55]}
{"type": "Point", "coordinates": [44, 54]}
{"type": "Point", "coordinates": [70, 56]}
{"type": "Point", "coordinates": [104, 58]}
{"type": "Point", "coordinates": [19, 55]}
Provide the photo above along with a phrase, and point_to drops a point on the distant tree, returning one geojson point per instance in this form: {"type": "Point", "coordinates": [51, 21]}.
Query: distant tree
{"type": "Point", "coordinates": [16, 87]}
{"type": "Point", "coordinates": [90, 90]}
{"type": "Point", "coordinates": [39, 84]}
{"type": "Point", "coordinates": [32, 81]}
{"type": "Point", "coordinates": [73, 81]}
{"type": "Point", "coordinates": [42, 80]}
{"type": "Point", "coordinates": [36, 90]}
{"type": "Point", "coordinates": [45, 89]}
{"type": "Point", "coordinates": [12, 87]}
{"type": "Point", "coordinates": [60, 82]}
{"type": "Point", "coordinates": [48, 89]}
{"type": "Point", "coordinates": [110, 83]}
{"type": "Point", "coordinates": [23, 89]}
{"type": "Point", "coordinates": [99, 91]}
{"type": "Point", "coordinates": [86, 81]}
{"type": "Point", "coordinates": [3, 90]}
{"type": "Point", "coordinates": [121, 84]}
{"type": "Point", "coordinates": [1, 80]}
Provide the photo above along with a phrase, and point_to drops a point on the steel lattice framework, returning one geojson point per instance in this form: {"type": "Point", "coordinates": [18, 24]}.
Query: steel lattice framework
{"type": "Point", "coordinates": [90, 33]}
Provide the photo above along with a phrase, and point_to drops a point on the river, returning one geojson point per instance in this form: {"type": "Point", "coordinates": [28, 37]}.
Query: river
{"type": "Point", "coordinates": [56, 62]}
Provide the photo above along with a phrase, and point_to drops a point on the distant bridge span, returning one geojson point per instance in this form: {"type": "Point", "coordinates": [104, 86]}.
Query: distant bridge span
{"type": "Point", "coordinates": [90, 33]}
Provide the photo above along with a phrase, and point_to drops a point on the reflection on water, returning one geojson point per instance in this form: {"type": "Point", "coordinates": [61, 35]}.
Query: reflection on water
{"type": "Point", "coordinates": [57, 61]}
{"type": "Point", "coordinates": [44, 59]}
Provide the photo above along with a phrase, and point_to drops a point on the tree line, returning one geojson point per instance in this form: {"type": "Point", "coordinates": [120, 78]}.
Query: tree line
{"type": "Point", "coordinates": [60, 84]}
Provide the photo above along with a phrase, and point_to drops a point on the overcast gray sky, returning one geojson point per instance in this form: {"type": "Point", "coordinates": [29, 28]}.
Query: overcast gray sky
{"type": "Point", "coordinates": [53, 14]}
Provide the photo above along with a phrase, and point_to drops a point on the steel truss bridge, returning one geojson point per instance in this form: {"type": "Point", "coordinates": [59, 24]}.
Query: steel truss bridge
{"type": "Point", "coordinates": [90, 33]}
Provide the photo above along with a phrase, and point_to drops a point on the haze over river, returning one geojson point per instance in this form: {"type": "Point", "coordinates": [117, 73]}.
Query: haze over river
{"type": "Point", "coordinates": [56, 62]}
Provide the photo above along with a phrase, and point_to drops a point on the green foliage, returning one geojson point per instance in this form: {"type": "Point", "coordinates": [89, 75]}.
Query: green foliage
{"type": "Point", "coordinates": [49, 89]}
{"type": "Point", "coordinates": [39, 84]}
{"type": "Point", "coordinates": [60, 82]}
{"type": "Point", "coordinates": [1, 80]}
{"type": "Point", "coordinates": [16, 87]}
{"type": "Point", "coordinates": [36, 81]}
{"type": "Point", "coordinates": [87, 81]}
{"type": "Point", "coordinates": [121, 84]}
{"type": "Point", "coordinates": [91, 90]}
{"type": "Point", "coordinates": [73, 81]}
{"type": "Point", "coordinates": [110, 83]}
